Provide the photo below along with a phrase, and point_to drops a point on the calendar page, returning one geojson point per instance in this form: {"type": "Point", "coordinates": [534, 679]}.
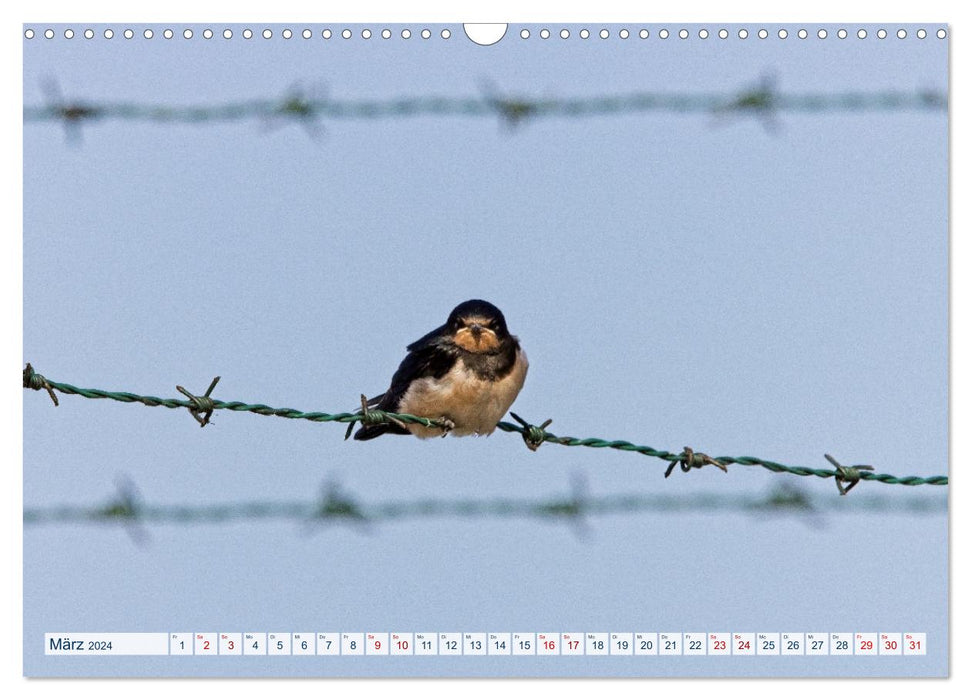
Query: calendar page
{"type": "Point", "coordinates": [509, 350]}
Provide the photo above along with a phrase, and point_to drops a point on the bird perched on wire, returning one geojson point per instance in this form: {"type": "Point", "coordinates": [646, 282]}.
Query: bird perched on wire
{"type": "Point", "coordinates": [467, 373]}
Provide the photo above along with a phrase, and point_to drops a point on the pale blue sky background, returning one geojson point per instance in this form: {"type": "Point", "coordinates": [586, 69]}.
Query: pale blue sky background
{"type": "Point", "coordinates": [675, 280]}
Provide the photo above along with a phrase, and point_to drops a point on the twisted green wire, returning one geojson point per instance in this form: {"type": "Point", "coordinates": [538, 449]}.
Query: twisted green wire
{"type": "Point", "coordinates": [32, 380]}
{"type": "Point", "coordinates": [747, 461]}
{"type": "Point", "coordinates": [532, 435]}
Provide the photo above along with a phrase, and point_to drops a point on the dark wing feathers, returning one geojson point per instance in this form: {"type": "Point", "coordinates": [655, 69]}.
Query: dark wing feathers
{"type": "Point", "coordinates": [430, 339]}
{"type": "Point", "coordinates": [427, 357]}
{"type": "Point", "coordinates": [427, 360]}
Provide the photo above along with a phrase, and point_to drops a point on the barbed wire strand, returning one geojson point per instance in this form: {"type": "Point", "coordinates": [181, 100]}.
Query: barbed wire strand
{"type": "Point", "coordinates": [295, 104]}
{"type": "Point", "coordinates": [334, 505]}
{"type": "Point", "coordinates": [202, 407]}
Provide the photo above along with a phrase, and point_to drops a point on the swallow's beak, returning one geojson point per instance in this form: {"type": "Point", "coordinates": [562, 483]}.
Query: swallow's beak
{"type": "Point", "coordinates": [476, 330]}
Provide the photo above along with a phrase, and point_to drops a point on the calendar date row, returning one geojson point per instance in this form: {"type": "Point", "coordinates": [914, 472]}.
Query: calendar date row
{"type": "Point", "coordinates": [490, 644]}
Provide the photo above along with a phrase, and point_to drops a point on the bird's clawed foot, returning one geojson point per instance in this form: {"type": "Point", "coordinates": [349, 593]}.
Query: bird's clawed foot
{"type": "Point", "coordinates": [446, 424]}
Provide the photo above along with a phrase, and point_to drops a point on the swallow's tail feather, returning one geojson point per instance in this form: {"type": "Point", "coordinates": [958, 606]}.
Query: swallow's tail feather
{"type": "Point", "coordinates": [369, 432]}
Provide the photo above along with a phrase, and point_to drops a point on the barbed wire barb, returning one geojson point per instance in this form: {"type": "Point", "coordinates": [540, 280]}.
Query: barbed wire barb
{"type": "Point", "coordinates": [848, 475]}
{"type": "Point", "coordinates": [761, 101]}
{"type": "Point", "coordinates": [533, 435]}
{"type": "Point", "coordinates": [689, 459]}
{"type": "Point", "coordinates": [72, 114]}
{"type": "Point", "coordinates": [126, 508]}
{"type": "Point", "coordinates": [512, 111]}
{"type": "Point", "coordinates": [202, 406]}
{"type": "Point", "coordinates": [573, 509]}
{"type": "Point", "coordinates": [35, 381]}
{"type": "Point", "coordinates": [301, 105]}
{"type": "Point", "coordinates": [334, 506]}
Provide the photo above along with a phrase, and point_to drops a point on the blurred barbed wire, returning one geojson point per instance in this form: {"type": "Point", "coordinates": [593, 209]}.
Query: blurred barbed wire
{"type": "Point", "coordinates": [336, 506]}
{"type": "Point", "coordinates": [308, 108]}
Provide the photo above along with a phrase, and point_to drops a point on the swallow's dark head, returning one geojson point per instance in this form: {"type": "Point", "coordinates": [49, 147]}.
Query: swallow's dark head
{"type": "Point", "coordinates": [477, 326]}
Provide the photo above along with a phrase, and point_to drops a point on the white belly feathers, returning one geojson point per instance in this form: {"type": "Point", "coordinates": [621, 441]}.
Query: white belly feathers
{"type": "Point", "coordinates": [473, 404]}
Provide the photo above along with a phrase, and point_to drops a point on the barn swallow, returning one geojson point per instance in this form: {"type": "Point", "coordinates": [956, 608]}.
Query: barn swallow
{"type": "Point", "coordinates": [466, 372]}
